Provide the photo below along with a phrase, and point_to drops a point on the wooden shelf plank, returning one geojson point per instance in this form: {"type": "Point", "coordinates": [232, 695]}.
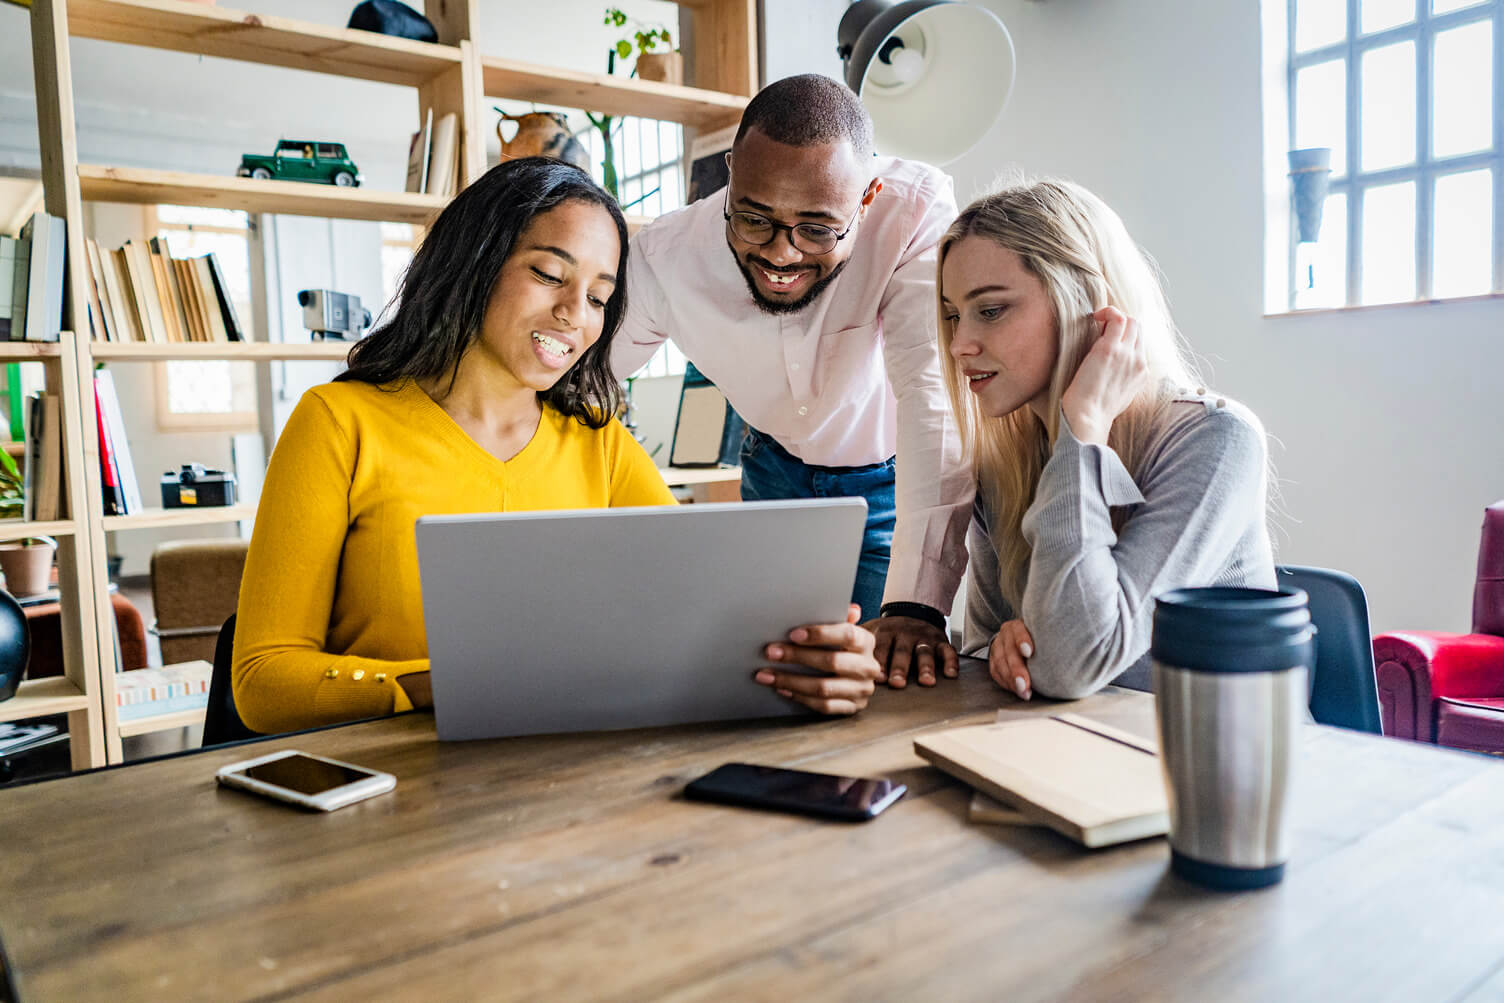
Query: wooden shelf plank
{"type": "Point", "coordinates": [297, 198]}
{"type": "Point", "coordinates": [159, 518]}
{"type": "Point", "coordinates": [510, 79]}
{"type": "Point", "coordinates": [161, 722]}
{"type": "Point", "coordinates": [20, 351]}
{"type": "Point", "coordinates": [37, 697]}
{"type": "Point", "coordinates": [233, 351]}
{"type": "Point", "coordinates": [15, 529]}
{"type": "Point", "coordinates": [261, 38]}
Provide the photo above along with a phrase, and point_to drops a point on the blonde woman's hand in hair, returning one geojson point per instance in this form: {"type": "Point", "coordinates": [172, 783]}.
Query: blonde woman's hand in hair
{"type": "Point", "coordinates": [1111, 376]}
{"type": "Point", "coordinates": [1008, 659]}
{"type": "Point", "coordinates": [841, 652]}
{"type": "Point", "coordinates": [905, 644]}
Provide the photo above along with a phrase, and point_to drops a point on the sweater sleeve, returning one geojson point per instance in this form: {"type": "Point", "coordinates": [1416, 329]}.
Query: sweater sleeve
{"type": "Point", "coordinates": [283, 677]}
{"type": "Point", "coordinates": [1089, 603]}
{"type": "Point", "coordinates": [986, 609]}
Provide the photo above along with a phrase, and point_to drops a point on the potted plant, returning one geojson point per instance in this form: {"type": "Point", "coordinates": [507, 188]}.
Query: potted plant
{"type": "Point", "coordinates": [26, 561]}
{"type": "Point", "coordinates": [657, 59]}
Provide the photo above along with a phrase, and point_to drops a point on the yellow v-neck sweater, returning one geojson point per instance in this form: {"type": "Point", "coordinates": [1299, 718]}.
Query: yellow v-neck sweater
{"type": "Point", "coordinates": [330, 612]}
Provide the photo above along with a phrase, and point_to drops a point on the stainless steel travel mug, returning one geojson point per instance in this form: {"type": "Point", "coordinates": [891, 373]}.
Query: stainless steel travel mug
{"type": "Point", "coordinates": [1230, 667]}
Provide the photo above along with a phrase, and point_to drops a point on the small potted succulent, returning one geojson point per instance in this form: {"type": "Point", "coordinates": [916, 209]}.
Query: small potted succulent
{"type": "Point", "coordinates": [26, 561]}
{"type": "Point", "coordinates": [657, 59]}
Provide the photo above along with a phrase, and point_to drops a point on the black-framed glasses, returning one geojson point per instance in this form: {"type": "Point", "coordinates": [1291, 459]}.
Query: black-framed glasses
{"type": "Point", "coordinates": [758, 230]}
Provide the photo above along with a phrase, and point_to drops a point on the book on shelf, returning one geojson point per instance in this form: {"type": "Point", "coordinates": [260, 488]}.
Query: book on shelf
{"type": "Point", "coordinates": [443, 161]}
{"type": "Point", "coordinates": [37, 280]}
{"type": "Point", "coordinates": [114, 419]}
{"type": "Point", "coordinates": [7, 283]}
{"type": "Point", "coordinates": [42, 479]}
{"type": "Point", "coordinates": [147, 295]}
{"type": "Point", "coordinates": [18, 736]}
{"type": "Point", "coordinates": [109, 470]}
{"type": "Point", "coordinates": [417, 155]}
{"type": "Point", "coordinates": [170, 689]}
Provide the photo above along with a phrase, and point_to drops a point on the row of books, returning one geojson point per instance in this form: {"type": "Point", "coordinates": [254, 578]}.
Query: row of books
{"type": "Point", "coordinates": [140, 292]}
{"type": "Point", "coordinates": [31, 280]}
{"type": "Point", "coordinates": [433, 156]}
{"type": "Point", "coordinates": [42, 476]}
{"type": "Point", "coordinates": [117, 474]}
{"type": "Point", "coordinates": [148, 692]}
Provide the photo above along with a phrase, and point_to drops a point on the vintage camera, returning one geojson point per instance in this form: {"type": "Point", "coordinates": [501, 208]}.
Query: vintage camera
{"type": "Point", "coordinates": [329, 314]}
{"type": "Point", "coordinates": [197, 485]}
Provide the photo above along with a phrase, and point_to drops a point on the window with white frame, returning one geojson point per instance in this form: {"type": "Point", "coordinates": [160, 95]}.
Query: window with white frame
{"type": "Point", "coordinates": [650, 182]}
{"type": "Point", "coordinates": [1409, 97]}
{"type": "Point", "coordinates": [208, 395]}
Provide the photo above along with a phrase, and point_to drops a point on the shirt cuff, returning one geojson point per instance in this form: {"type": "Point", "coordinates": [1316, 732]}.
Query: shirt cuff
{"type": "Point", "coordinates": [1117, 485]}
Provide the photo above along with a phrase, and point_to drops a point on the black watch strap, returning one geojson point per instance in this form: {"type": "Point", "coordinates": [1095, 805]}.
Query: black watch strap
{"type": "Point", "coordinates": [917, 610]}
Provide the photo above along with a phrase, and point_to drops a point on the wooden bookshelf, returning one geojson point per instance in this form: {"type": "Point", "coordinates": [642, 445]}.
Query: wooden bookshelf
{"type": "Point", "coordinates": [510, 79]}
{"type": "Point", "coordinates": [235, 351]}
{"type": "Point", "coordinates": [37, 697]}
{"type": "Point", "coordinates": [261, 38]}
{"type": "Point", "coordinates": [161, 722]}
{"type": "Point", "coordinates": [22, 351]}
{"type": "Point", "coordinates": [162, 518]}
{"type": "Point", "coordinates": [15, 529]}
{"type": "Point", "coordinates": [297, 198]}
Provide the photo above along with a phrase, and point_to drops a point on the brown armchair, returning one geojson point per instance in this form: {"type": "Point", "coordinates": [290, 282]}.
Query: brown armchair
{"type": "Point", "coordinates": [195, 586]}
{"type": "Point", "coordinates": [1449, 688]}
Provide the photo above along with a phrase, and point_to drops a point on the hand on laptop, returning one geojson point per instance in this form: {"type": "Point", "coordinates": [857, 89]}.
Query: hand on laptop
{"type": "Point", "coordinates": [906, 643]}
{"type": "Point", "coordinates": [843, 650]}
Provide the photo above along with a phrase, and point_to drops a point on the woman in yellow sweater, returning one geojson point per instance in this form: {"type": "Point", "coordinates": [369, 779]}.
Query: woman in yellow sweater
{"type": "Point", "coordinates": [488, 390]}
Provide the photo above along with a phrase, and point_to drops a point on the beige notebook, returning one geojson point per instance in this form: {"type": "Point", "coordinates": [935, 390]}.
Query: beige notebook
{"type": "Point", "coordinates": [1086, 780]}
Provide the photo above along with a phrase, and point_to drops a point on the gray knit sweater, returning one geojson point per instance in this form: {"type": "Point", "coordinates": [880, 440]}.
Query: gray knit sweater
{"type": "Point", "coordinates": [1195, 516]}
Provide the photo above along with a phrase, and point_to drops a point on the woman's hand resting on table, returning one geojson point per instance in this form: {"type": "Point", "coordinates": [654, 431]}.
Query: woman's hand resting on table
{"type": "Point", "coordinates": [1008, 659]}
{"type": "Point", "coordinates": [841, 650]}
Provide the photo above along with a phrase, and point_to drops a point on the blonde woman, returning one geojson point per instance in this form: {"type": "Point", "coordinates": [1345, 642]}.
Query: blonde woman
{"type": "Point", "coordinates": [1106, 472]}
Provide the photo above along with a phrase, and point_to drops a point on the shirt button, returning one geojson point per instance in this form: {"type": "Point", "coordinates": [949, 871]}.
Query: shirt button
{"type": "Point", "coordinates": [1201, 391]}
{"type": "Point", "coordinates": [794, 366]}
{"type": "Point", "coordinates": [358, 674]}
{"type": "Point", "coordinates": [803, 411]}
{"type": "Point", "coordinates": [331, 673]}
{"type": "Point", "coordinates": [1221, 402]}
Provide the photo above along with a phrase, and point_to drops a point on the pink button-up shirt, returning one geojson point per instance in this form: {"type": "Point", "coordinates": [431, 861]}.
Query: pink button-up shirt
{"type": "Point", "coordinates": [851, 379]}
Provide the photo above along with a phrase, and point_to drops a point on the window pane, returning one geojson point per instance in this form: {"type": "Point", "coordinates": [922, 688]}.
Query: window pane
{"type": "Point", "coordinates": [1442, 6]}
{"type": "Point", "coordinates": [229, 219]}
{"type": "Point", "coordinates": [1321, 110]}
{"type": "Point", "coordinates": [1462, 108]}
{"type": "Point", "coordinates": [1389, 243]}
{"type": "Point", "coordinates": [1321, 268]}
{"type": "Point", "coordinates": [1381, 14]}
{"type": "Point", "coordinates": [211, 387]}
{"type": "Point", "coordinates": [1462, 251]}
{"type": "Point", "coordinates": [1319, 22]}
{"type": "Point", "coordinates": [1388, 109]}
{"type": "Point", "coordinates": [631, 148]}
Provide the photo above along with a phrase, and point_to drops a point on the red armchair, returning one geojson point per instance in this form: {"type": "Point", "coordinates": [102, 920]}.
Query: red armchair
{"type": "Point", "coordinates": [1449, 688]}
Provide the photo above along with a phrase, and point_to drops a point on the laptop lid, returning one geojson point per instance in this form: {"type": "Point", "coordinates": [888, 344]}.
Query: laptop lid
{"type": "Point", "coordinates": [543, 622]}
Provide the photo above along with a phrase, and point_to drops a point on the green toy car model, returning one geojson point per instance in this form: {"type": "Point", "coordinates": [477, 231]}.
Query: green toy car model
{"type": "Point", "coordinates": [303, 160]}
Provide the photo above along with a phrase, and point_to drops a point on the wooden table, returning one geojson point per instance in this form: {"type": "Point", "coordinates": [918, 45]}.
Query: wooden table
{"type": "Point", "coordinates": [706, 484]}
{"type": "Point", "coordinates": [567, 867]}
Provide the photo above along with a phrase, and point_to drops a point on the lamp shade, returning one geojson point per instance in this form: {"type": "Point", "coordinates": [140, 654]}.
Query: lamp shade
{"type": "Point", "coordinates": [933, 74]}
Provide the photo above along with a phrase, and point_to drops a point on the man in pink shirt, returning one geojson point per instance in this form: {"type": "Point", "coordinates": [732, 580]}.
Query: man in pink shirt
{"type": "Point", "coordinates": [806, 291]}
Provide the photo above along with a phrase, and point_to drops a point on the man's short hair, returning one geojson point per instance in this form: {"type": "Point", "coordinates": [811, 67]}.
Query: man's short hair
{"type": "Point", "coordinates": [808, 110]}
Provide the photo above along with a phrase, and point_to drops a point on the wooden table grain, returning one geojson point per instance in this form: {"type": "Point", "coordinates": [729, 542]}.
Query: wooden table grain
{"type": "Point", "coordinates": [568, 867]}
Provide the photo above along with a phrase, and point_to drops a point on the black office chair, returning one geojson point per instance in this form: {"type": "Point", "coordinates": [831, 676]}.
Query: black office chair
{"type": "Point", "coordinates": [221, 720]}
{"type": "Point", "coordinates": [1343, 691]}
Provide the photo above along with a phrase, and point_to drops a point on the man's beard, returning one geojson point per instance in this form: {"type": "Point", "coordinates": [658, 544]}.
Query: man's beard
{"type": "Point", "coordinates": [783, 306]}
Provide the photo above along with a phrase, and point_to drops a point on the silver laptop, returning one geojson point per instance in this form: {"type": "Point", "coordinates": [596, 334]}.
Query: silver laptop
{"type": "Point", "coordinates": [544, 622]}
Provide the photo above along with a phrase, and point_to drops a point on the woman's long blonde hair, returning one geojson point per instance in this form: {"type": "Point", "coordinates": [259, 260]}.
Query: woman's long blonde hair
{"type": "Point", "coordinates": [1081, 252]}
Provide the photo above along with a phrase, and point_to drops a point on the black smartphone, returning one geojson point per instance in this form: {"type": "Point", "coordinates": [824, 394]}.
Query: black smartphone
{"type": "Point", "coordinates": [852, 799]}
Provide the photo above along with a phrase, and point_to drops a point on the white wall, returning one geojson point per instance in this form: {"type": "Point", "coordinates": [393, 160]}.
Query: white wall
{"type": "Point", "coordinates": [1389, 422]}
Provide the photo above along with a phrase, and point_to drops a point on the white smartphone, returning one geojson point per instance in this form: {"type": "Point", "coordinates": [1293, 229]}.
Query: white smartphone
{"type": "Point", "coordinates": [304, 780]}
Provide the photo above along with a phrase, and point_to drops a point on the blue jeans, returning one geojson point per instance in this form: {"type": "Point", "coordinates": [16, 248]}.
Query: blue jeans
{"type": "Point", "coordinates": [771, 472]}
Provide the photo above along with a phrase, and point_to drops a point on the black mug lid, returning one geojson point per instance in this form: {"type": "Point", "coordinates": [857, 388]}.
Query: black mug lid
{"type": "Point", "coordinates": [1225, 629]}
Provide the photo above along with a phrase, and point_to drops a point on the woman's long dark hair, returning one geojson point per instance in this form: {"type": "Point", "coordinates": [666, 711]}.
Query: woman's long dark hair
{"type": "Point", "coordinates": [442, 300]}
